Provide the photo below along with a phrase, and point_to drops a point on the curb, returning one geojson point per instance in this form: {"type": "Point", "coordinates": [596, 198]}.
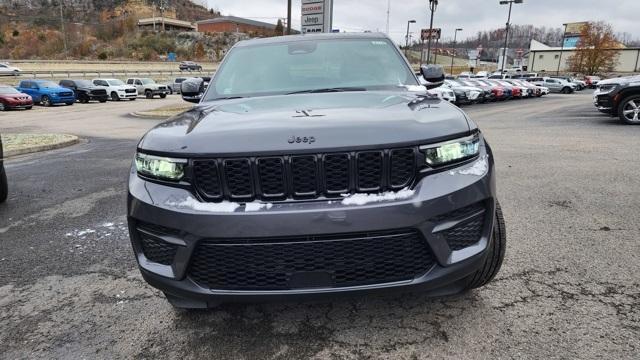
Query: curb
{"type": "Point", "coordinates": [142, 115]}
{"type": "Point", "coordinates": [39, 148]}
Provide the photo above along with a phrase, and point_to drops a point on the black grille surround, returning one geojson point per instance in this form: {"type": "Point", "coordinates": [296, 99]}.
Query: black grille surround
{"type": "Point", "coordinates": [305, 176]}
{"type": "Point", "coordinates": [326, 261]}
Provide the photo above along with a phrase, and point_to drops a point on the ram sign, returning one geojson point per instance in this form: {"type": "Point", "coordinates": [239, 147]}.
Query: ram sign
{"type": "Point", "coordinates": [316, 16]}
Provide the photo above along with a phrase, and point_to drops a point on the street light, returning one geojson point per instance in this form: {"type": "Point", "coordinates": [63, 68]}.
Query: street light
{"type": "Point", "coordinates": [506, 37]}
{"type": "Point", "coordinates": [407, 44]}
{"type": "Point", "coordinates": [455, 37]}
{"type": "Point", "coordinates": [433, 4]}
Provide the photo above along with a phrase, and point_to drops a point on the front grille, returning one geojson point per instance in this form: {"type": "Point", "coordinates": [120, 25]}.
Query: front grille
{"type": "Point", "coordinates": [99, 92]}
{"type": "Point", "coordinates": [469, 231]}
{"type": "Point", "coordinates": [162, 88]}
{"type": "Point", "coordinates": [154, 248]}
{"type": "Point", "coordinates": [129, 91]}
{"type": "Point", "coordinates": [328, 261]}
{"type": "Point", "coordinates": [304, 176]}
{"type": "Point", "coordinates": [65, 93]}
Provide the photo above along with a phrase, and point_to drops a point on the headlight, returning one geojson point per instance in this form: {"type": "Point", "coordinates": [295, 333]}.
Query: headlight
{"type": "Point", "coordinates": [160, 167]}
{"type": "Point", "coordinates": [452, 151]}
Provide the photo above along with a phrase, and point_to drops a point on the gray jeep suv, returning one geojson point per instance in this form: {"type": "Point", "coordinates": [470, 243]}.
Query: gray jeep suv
{"type": "Point", "coordinates": [315, 165]}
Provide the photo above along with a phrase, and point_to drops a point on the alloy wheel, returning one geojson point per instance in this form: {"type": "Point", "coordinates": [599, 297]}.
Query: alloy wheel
{"type": "Point", "coordinates": [45, 101]}
{"type": "Point", "coordinates": [1, 106]}
{"type": "Point", "coordinates": [631, 110]}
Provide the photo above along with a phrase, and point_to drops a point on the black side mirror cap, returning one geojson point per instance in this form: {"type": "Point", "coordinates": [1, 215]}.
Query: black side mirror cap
{"type": "Point", "coordinates": [192, 90]}
{"type": "Point", "coordinates": [433, 74]}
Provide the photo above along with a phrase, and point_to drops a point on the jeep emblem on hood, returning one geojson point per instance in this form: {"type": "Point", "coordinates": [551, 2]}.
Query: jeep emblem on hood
{"type": "Point", "coordinates": [301, 139]}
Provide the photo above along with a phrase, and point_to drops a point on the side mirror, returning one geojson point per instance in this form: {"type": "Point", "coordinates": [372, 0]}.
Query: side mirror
{"type": "Point", "coordinates": [192, 90]}
{"type": "Point", "coordinates": [433, 75]}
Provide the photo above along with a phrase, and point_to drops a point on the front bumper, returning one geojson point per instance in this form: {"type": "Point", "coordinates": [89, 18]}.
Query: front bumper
{"type": "Point", "coordinates": [435, 195]}
{"type": "Point", "coordinates": [63, 99]}
{"type": "Point", "coordinates": [125, 95]}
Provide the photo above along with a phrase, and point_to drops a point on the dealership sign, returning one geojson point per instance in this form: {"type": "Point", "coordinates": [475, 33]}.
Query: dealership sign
{"type": "Point", "coordinates": [433, 34]}
{"type": "Point", "coordinates": [316, 16]}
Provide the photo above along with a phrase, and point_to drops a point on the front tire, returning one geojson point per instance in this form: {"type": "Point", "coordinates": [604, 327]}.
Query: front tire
{"type": "Point", "coordinates": [629, 110]}
{"type": "Point", "coordinates": [114, 96]}
{"type": "Point", "coordinates": [566, 90]}
{"type": "Point", "coordinates": [495, 255]}
{"type": "Point", "coordinates": [2, 107]}
{"type": "Point", "coordinates": [148, 94]}
{"type": "Point", "coordinates": [45, 101]}
{"type": "Point", "coordinates": [162, 96]}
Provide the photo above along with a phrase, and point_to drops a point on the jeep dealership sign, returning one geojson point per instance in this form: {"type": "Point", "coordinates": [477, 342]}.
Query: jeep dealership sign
{"type": "Point", "coordinates": [317, 16]}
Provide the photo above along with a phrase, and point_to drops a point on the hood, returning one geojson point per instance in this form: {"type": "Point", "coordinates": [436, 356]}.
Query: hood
{"type": "Point", "coordinates": [54, 90]}
{"type": "Point", "coordinates": [621, 80]}
{"type": "Point", "coordinates": [330, 121]}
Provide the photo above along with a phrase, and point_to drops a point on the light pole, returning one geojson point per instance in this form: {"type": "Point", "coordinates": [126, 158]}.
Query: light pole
{"type": "Point", "coordinates": [453, 54]}
{"type": "Point", "coordinates": [564, 35]}
{"type": "Point", "coordinates": [433, 4]}
{"type": "Point", "coordinates": [407, 38]}
{"type": "Point", "coordinates": [506, 36]}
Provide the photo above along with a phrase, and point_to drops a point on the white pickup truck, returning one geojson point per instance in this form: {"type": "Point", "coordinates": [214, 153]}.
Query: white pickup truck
{"type": "Point", "coordinates": [148, 87]}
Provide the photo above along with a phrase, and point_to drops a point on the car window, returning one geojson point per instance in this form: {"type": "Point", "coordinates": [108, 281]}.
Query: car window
{"type": "Point", "coordinates": [179, 80]}
{"type": "Point", "coordinates": [145, 81]}
{"type": "Point", "coordinates": [3, 66]}
{"type": "Point", "coordinates": [311, 64]}
{"type": "Point", "coordinates": [138, 82]}
{"type": "Point", "coordinates": [129, 81]}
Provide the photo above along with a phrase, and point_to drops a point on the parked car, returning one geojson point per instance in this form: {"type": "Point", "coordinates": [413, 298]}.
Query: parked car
{"type": "Point", "coordinates": [512, 92]}
{"type": "Point", "coordinates": [189, 66]}
{"type": "Point", "coordinates": [464, 94]}
{"type": "Point", "coordinates": [148, 87]}
{"type": "Point", "coordinates": [489, 93]}
{"type": "Point", "coordinates": [4, 187]}
{"type": "Point", "coordinates": [355, 186]}
{"type": "Point", "coordinates": [11, 98]}
{"type": "Point", "coordinates": [174, 86]}
{"type": "Point", "coordinates": [46, 92]}
{"type": "Point", "coordinates": [619, 97]}
{"type": "Point", "coordinates": [444, 94]}
{"type": "Point", "coordinates": [85, 91]}
{"type": "Point", "coordinates": [532, 90]}
{"type": "Point", "coordinates": [5, 69]}
{"type": "Point", "coordinates": [498, 93]}
{"type": "Point", "coordinates": [524, 91]}
{"type": "Point", "coordinates": [580, 85]}
{"type": "Point", "coordinates": [592, 81]}
{"type": "Point", "coordinates": [116, 89]}
{"type": "Point", "coordinates": [554, 85]}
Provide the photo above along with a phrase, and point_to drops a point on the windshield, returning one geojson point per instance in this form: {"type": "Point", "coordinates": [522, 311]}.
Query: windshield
{"type": "Point", "coordinates": [282, 68]}
{"type": "Point", "coordinates": [83, 83]}
{"type": "Point", "coordinates": [47, 84]}
{"type": "Point", "coordinates": [147, 81]}
{"type": "Point", "coordinates": [115, 82]}
{"type": "Point", "coordinates": [8, 90]}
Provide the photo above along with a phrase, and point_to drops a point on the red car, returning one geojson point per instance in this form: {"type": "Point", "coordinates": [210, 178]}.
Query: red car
{"type": "Point", "coordinates": [11, 98]}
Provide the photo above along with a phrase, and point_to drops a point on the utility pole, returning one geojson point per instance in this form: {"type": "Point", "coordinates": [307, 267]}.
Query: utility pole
{"type": "Point", "coordinates": [433, 4]}
{"type": "Point", "coordinates": [289, 17]}
{"type": "Point", "coordinates": [162, 9]}
{"type": "Point", "coordinates": [453, 54]}
{"type": "Point", "coordinates": [388, 14]}
{"type": "Point", "coordinates": [64, 35]}
{"type": "Point", "coordinates": [435, 52]}
{"type": "Point", "coordinates": [407, 43]}
{"type": "Point", "coordinates": [506, 36]}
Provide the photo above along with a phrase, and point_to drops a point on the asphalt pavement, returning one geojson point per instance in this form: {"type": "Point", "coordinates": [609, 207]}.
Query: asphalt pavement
{"type": "Point", "coordinates": [568, 182]}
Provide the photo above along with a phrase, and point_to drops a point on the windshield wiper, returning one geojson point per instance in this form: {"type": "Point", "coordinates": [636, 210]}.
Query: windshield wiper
{"type": "Point", "coordinates": [328, 90]}
{"type": "Point", "coordinates": [229, 98]}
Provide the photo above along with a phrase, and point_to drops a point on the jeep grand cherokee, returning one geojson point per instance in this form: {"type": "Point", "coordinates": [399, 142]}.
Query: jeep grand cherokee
{"type": "Point", "coordinates": [314, 165]}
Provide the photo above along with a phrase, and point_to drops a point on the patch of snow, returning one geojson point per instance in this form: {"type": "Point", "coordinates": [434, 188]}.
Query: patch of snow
{"type": "Point", "coordinates": [415, 88]}
{"type": "Point", "coordinates": [107, 224]}
{"type": "Point", "coordinates": [363, 199]}
{"type": "Point", "coordinates": [194, 204]}
{"type": "Point", "coordinates": [256, 205]}
{"type": "Point", "coordinates": [85, 232]}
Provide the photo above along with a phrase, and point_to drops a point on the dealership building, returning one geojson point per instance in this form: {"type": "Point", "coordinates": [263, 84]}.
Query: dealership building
{"type": "Point", "coordinates": [543, 58]}
{"type": "Point", "coordinates": [235, 24]}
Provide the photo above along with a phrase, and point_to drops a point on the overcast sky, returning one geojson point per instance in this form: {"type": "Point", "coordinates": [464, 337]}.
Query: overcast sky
{"type": "Point", "coordinates": [472, 15]}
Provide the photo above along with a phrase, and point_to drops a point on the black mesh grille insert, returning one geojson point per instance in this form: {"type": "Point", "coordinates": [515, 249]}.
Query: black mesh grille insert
{"type": "Point", "coordinates": [403, 165]}
{"type": "Point", "coordinates": [238, 175]}
{"type": "Point", "coordinates": [279, 264]}
{"type": "Point", "coordinates": [370, 171]}
{"type": "Point", "coordinates": [207, 178]}
{"type": "Point", "coordinates": [336, 167]}
{"type": "Point", "coordinates": [157, 250]}
{"type": "Point", "coordinates": [465, 234]}
{"type": "Point", "coordinates": [304, 176]}
{"type": "Point", "coordinates": [272, 181]}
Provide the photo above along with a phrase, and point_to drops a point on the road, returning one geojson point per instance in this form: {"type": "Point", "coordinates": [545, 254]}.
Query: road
{"type": "Point", "coordinates": [569, 288]}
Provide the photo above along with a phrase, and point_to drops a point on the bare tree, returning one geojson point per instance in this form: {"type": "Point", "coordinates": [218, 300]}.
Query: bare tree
{"type": "Point", "coordinates": [596, 51]}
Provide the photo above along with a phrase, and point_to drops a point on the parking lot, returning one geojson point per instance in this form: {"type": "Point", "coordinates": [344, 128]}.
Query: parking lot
{"type": "Point", "coordinates": [569, 288]}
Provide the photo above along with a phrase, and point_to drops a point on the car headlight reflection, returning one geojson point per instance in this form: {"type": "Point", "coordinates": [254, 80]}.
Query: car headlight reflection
{"type": "Point", "coordinates": [451, 151]}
